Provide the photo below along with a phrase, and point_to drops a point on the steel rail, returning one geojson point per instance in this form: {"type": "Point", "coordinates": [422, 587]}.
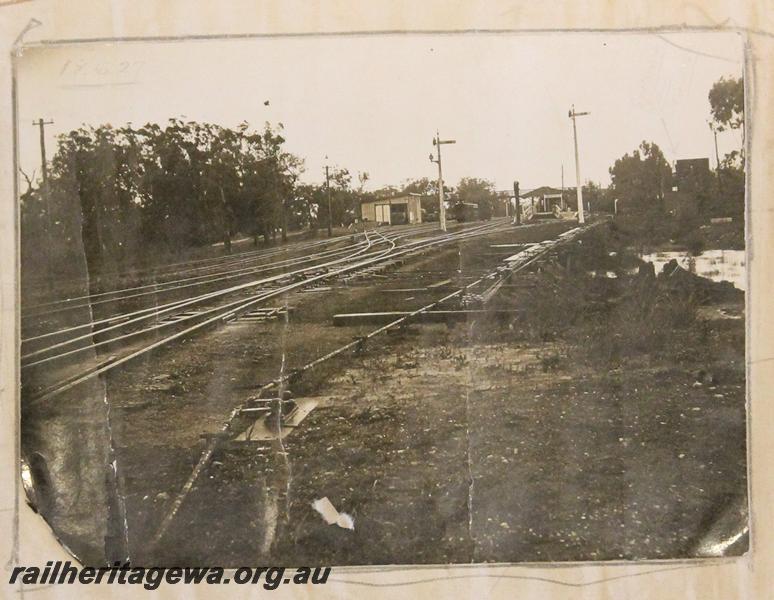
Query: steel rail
{"type": "Point", "coordinates": [159, 289]}
{"type": "Point", "coordinates": [169, 267]}
{"type": "Point", "coordinates": [215, 441]}
{"type": "Point", "coordinates": [123, 319]}
{"type": "Point", "coordinates": [167, 286]}
{"type": "Point", "coordinates": [242, 257]}
{"type": "Point", "coordinates": [155, 312]}
{"type": "Point", "coordinates": [237, 306]}
{"type": "Point", "coordinates": [231, 263]}
{"type": "Point", "coordinates": [77, 379]}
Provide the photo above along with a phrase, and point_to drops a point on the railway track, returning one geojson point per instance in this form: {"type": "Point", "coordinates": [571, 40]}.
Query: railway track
{"type": "Point", "coordinates": [226, 268]}
{"type": "Point", "coordinates": [33, 343]}
{"type": "Point", "coordinates": [159, 288]}
{"type": "Point", "coordinates": [178, 319]}
{"type": "Point", "coordinates": [38, 286]}
{"type": "Point", "coordinates": [235, 424]}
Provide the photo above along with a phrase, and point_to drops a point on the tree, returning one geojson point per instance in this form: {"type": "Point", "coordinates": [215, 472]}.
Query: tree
{"type": "Point", "coordinates": [220, 183]}
{"type": "Point", "coordinates": [344, 200]}
{"type": "Point", "coordinates": [726, 98]}
{"type": "Point", "coordinates": [269, 175]}
{"type": "Point", "coordinates": [93, 197]}
{"type": "Point", "coordinates": [596, 197]}
{"type": "Point", "coordinates": [481, 192]}
{"type": "Point", "coordinates": [120, 195]}
{"type": "Point", "coordinates": [422, 186]}
{"type": "Point", "coordinates": [640, 180]}
{"type": "Point", "coordinates": [363, 177]}
{"type": "Point", "coordinates": [386, 191]}
{"type": "Point", "coordinates": [171, 186]}
{"type": "Point", "coordinates": [304, 206]}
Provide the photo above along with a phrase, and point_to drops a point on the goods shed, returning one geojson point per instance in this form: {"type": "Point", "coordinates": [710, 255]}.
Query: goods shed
{"type": "Point", "coordinates": [396, 210]}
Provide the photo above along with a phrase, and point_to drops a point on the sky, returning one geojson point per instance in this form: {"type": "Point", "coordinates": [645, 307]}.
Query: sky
{"type": "Point", "coordinates": [372, 103]}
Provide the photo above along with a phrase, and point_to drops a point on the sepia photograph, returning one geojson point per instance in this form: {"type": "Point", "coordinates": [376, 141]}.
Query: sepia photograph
{"type": "Point", "coordinates": [385, 299]}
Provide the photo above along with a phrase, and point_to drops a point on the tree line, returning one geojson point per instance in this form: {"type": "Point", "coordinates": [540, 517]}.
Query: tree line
{"type": "Point", "coordinates": [121, 196]}
{"type": "Point", "coordinates": [126, 192]}
{"type": "Point", "coordinates": [642, 180]}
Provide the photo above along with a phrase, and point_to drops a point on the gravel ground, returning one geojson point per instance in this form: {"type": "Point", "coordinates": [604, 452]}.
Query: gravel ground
{"type": "Point", "coordinates": [480, 441]}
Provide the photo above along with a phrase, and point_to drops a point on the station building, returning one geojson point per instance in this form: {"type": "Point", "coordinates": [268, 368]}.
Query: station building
{"type": "Point", "coordinates": [546, 200]}
{"type": "Point", "coordinates": [395, 210]}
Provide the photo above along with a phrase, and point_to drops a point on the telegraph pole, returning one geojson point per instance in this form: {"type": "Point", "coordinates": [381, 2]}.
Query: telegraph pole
{"type": "Point", "coordinates": [41, 124]}
{"type": "Point", "coordinates": [44, 167]}
{"type": "Point", "coordinates": [438, 142]}
{"type": "Point", "coordinates": [717, 160]}
{"type": "Point", "coordinates": [328, 189]}
{"type": "Point", "coordinates": [572, 114]}
{"type": "Point", "coordinates": [563, 204]}
{"type": "Point", "coordinates": [517, 215]}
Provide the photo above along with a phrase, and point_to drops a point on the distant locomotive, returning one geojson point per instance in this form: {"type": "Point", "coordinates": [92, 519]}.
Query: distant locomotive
{"type": "Point", "coordinates": [464, 211]}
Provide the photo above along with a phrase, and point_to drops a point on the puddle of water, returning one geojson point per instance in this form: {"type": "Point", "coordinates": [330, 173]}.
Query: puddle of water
{"type": "Point", "coordinates": [717, 265]}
